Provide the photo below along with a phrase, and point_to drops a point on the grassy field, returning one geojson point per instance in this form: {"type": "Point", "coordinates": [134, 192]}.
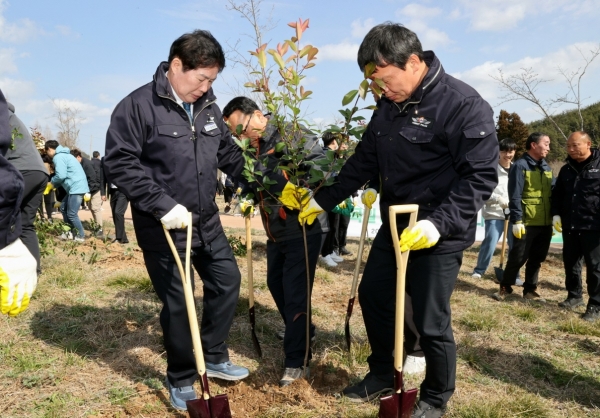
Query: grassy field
{"type": "Point", "coordinates": [90, 345]}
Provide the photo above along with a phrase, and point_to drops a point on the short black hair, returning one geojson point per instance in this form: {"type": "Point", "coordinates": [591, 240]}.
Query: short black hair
{"type": "Point", "coordinates": [534, 137]}
{"type": "Point", "coordinates": [507, 144]}
{"type": "Point", "coordinates": [95, 154]}
{"type": "Point", "coordinates": [328, 138]}
{"type": "Point", "coordinates": [76, 153]}
{"type": "Point", "coordinates": [389, 43]}
{"type": "Point", "coordinates": [51, 144]}
{"type": "Point", "coordinates": [242, 103]}
{"type": "Point", "coordinates": [198, 49]}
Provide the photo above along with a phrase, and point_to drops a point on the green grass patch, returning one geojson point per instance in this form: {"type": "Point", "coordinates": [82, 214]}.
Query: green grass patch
{"type": "Point", "coordinates": [579, 327]}
{"type": "Point", "coordinates": [66, 275]}
{"type": "Point", "coordinates": [138, 282]}
{"type": "Point", "coordinates": [523, 406]}
{"type": "Point", "coordinates": [120, 396]}
{"type": "Point", "coordinates": [479, 321]}
{"type": "Point", "coordinates": [525, 313]}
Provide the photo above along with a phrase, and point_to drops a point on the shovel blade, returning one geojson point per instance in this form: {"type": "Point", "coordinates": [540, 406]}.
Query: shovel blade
{"type": "Point", "coordinates": [198, 408]}
{"type": "Point", "coordinates": [398, 405]}
{"type": "Point", "coordinates": [255, 342]}
{"type": "Point", "coordinates": [499, 274]}
{"type": "Point", "coordinates": [219, 407]}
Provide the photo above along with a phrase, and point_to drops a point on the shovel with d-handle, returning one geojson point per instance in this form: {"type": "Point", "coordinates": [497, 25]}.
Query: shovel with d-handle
{"type": "Point", "coordinates": [498, 270]}
{"type": "Point", "coordinates": [401, 403]}
{"type": "Point", "coordinates": [207, 406]}
{"type": "Point", "coordinates": [251, 285]}
{"type": "Point", "coordinates": [361, 246]}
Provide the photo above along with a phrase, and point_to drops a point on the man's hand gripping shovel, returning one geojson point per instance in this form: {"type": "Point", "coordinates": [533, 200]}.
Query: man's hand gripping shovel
{"type": "Point", "coordinates": [401, 403]}
{"type": "Point", "coordinates": [207, 406]}
{"type": "Point", "coordinates": [361, 246]}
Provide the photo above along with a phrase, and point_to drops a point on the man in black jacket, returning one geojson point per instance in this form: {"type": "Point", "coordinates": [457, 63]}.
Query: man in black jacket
{"type": "Point", "coordinates": [164, 145]}
{"type": "Point", "coordinates": [575, 202]}
{"type": "Point", "coordinates": [95, 204]}
{"type": "Point", "coordinates": [433, 142]}
{"type": "Point", "coordinates": [286, 267]}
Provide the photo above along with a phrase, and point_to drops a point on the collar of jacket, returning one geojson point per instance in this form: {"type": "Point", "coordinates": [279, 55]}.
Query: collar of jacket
{"type": "Point", "coordinates": [163, 87]}
{"type": "Point", "coordinates": [533, 162]}
{"type": "Point", "coordinates": [433, 76]}
{"type": "Point", "coordinates": [269, 139]}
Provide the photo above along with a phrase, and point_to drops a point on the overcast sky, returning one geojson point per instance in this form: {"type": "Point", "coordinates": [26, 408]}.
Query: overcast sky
{"type": "Point", "coordinates": [92, 54]}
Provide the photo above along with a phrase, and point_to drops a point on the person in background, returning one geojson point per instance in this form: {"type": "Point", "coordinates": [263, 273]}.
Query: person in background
{"type": "Point", "coordinates": [48, 199]}
{"type": "Point", "coordinates": [95, 203]}
{"type": "Point", "coordinates": [530, 183]}
{"type": "Point", "coordinates": [69, 174]}
{"type": "Point", "coordinates": [27, 159]}
{"type": "Point", "coordinates": [575, 200]}
{"type": "Point", "coordinates": [93, 185]}
{"type": "Point", "coordinates": [493, 211]}
{"type": "Point", "coordinates": [18, 277]}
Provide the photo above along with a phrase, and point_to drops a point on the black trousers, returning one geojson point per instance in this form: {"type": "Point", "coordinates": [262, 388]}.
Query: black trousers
{"type": "Point", "coordinates": [35, 183]}
{"type": "Point", "coordinates": [47, 205]}
{"type": "Point", "coordinates": [341, 228]}
{"type": "Point", "coordinates": [330, 237]}
{"type": "Point", "coordinates": [532, 249]}
{"type": "Point", "coordinates": [286, 278]}
{"type": "Point", "coordinates": [118, 206]}
{"type": "Point", "coordinates": [228, 192]}
{"type": "Point", "coordinates": [579, 246]}
{"type": "Point", "coordinates": [430, 282]}
{"type": "Point", "coordinates": [221, 278]}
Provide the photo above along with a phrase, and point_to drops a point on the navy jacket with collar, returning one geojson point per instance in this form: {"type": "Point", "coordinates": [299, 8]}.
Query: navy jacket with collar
{"type": "Point", "coordinates": [157, 157]}
{"type": "Point", "coordinates": [576, 195]}
{"type": "Point", "coordinates": [437, 149]}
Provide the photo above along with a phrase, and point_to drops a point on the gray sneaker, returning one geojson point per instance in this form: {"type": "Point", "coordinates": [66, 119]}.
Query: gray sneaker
{"type": "Point", "coordinates": [226, 371]}
{"type": "Point", "coordinates": [178, 396]}
{"type": "Point", "coordinates": [291, 374]}
{"type": "Point", "coordinates": [571, 303]}
{"type": "Point", "coordinates": [592, 313]}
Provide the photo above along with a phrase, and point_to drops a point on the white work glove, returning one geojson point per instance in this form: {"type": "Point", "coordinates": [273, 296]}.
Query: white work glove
{"type": "Point", "coordinates": [87, 197]}
{"type": "Point", "coordinates": [309, 212]}
{"type": "Point", "coordinates": [18, 278]}
{"type": "Point", "coordinates": [177, 218]}
{"type": "Point", "coordinates": [368, 197]}
{"type": "Point", "coordinates": [557, 223]}
{"type": "Point", "coordinates": [518, 230]}
{"type": "Point", "coordinates": [503, 202]}
{"type": "Point", "coordinates": [423, 234]}
{"type": "Point", "coordinates": [247, 204]}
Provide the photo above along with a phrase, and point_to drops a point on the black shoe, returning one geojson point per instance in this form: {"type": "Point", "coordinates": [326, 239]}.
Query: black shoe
{"type": "Point", "coordinates": [424, 410]}
{"type": "Point", "coordinates": [371, 387]}
{"type": "Point", "coordinates": [592, 313]}
{"type": "Point", "coordinates": [502, 293]}
{"type": "Point", "coordinates": [571, 303]}
{"type": "Point", "coordinates": [344, 251]}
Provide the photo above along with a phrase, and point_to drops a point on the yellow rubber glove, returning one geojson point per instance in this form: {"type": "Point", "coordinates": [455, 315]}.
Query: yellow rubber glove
{"type": "Point", "coordinates": [87, 197]}
{"type": "Point", "coordinates": [57, 205]}
{"type": "Point", "coordinates": [238, 191]}
{"type": "Point", "coordinates": [423, 234]}
{"type": "Point", "coordinates": [247, 204]}
{"type": "Point", "coordinates": [49, 188]}
{"type": "Point", "coordinates": [557, 223]}
{"type": "Point", "coordinates": [518, 229]}
{"type": "Point", "coordinates": [368, 197]}
{"type": "Point", "coordinates": [18, 278]}
{"type": "Point", "coordinates": [294, 197]}
{"type": "Point", "coordinates": [310, 212]}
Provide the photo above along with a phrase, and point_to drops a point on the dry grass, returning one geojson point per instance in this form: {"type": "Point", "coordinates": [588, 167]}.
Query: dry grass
{"type": "Point", "coordinates": [90, 345]}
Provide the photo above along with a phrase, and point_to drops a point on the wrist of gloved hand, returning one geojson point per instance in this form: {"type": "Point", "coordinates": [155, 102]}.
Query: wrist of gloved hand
{"type": "Point", "coordinates": [422, 235]}
{"type": "Point", "coordinates": [557, 223]}
{"type": "Point", "coordinates": [176, 218]}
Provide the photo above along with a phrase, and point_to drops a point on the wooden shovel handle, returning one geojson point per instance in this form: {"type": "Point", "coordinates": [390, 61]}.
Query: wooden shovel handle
{"type": "Point", "coordinates": [361, 246]}
{"type": "Point", "coordinates": [401, 262]}
{"type": "Point", "coordinates": [504, 238]}
{"type": "Point", "coordinates": [190, 303]}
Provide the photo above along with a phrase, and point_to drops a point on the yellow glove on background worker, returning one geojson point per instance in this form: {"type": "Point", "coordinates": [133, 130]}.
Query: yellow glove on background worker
{"type": "Point", "coordinates": [18, 278]}
{"type": "Point", "coordinates": [245, 204]}
{"type": "Point", "coordinates": [557, 223]}
{"type": "Point", "coordinates": [423, 234]}
{"type": "Point", "coordinates": [49, 188]}
{"type": "Point", "coordinates": [368, 197]}
{"type": "Point", "coordinates": [87, 197]}
{"type": "Point", "coordinates": [518, 229]}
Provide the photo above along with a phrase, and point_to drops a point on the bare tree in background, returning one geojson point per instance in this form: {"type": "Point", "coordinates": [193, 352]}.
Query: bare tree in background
{"type": "Point", "coordinates": [67, 122]}
{"type": "Point", "coordinates": [524, 86]}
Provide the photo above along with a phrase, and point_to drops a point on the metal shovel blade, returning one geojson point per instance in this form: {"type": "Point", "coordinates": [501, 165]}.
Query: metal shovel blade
{"type": "Point", "coordinates": [198, 408]}
{"type": "Point", "coordinates": [215, 407]}
{"type": "Point", "coordinates": [255, 342]}
{"type": "Point", "coordinates": [398, 405]}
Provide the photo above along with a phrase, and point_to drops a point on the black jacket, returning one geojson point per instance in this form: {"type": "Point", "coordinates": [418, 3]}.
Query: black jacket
{"type": "Point", "coordinates": [97, 163]}
{"type": "Point", "coordinates": [157, 157]}
{"type": "Point", "coordinates": [11, 185]}
{"type": "Point", "coordinates": [437, 149]}
{"type": "Point", "coordinates": [576, 195]}
{"type": "Point", "coordinates": [280, 222]}
{"type": "Point", "coordinates": [91, 175]}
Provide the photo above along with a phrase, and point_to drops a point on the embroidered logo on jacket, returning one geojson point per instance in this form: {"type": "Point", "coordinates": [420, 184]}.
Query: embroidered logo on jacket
{"type": "Point", "coordinates": [422, 121]}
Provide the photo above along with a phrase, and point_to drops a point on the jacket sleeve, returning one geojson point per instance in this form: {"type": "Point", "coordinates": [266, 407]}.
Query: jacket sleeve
{"type": "Point", "coordinates": [124, 142]}
{"type": "Point", "coordinates": [361, 167]}
{"type": "Point", "coordinates": [558, 193]}
{"type": "Point", "coordinates": [102, 179]}
{"type": "Point", "coordinates": [60, 171]}
{"type": "Point", "coordinates": [473, 147]}
{"type": "Point", "coordinates": [92, 176]}
{"type": "Point", "coordinates": [516, 180]}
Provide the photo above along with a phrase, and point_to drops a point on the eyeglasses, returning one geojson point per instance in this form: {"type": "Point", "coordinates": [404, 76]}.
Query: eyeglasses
{"type": "Point", "coordinates": [235, 133]}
